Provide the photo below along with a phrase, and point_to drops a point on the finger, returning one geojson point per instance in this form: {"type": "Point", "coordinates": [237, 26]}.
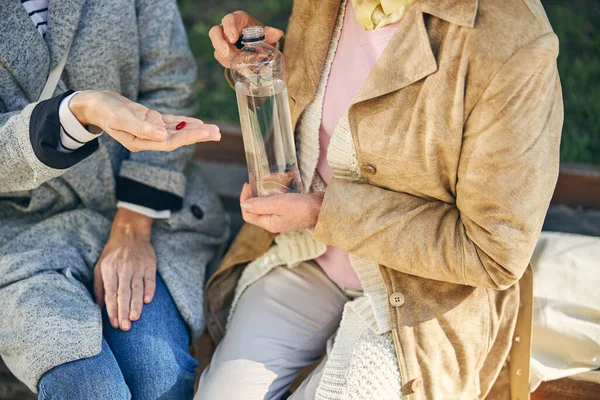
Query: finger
{"type": "Point", "coordinates": [189, 135]}
{"type": "Point", "coordinates": [184, 137]}
{"type": "Point", "coordinates": [137, 296]}
{"type": "Point", "coordinates": [129, 123]}
{"type": "Point", "coordinates": [269, 222]}
{"type": "Point", "coordinates": [110, 296]}
{"type": "Point", "coordinates": [154, 117]}
{"type": "Point", "coordinates": [263, 205]}
{"type": "Point", "coordinates": [149, 286]}
{"type": "Point", "coordinates": [234, 23]}
{"type": "Point", "coordinates": [246, 193]}
{"type": "Point", "coordinates": [272, 35]}
{"type": "Point", "coordinates": [173, 120]}
{"type": "Point", "coordinates": [122, 137]}
{"type": "Point", "coordinates": [219, 42]}
{"type": "Point", "coordinates": [98, 287]}
{"type": "Point", "coordinates": [224, 61]}
{"type": "Point", "coordinates": [192, 133]}
{"type": "Point", "coordinates": [124, 300]}
{"type": "Point", "coordinates": [250, 218]}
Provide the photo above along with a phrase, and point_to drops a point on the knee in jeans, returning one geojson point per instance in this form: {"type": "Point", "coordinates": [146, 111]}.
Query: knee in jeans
{"type": "Point", "coordinates": [160, 374]}
{"type": "Point", "coordinates": [71, 382]}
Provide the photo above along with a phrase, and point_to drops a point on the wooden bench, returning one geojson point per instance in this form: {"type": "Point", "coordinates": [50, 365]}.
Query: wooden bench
{"type": "Point", "coordinates": [584, 386]}
{"type": "Point", "coordinates": [224, 167]}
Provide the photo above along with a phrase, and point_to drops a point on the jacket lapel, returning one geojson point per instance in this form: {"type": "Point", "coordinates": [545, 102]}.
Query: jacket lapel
{"type": "Point", "coordinates": [408, 56]}
{"type": "Point", "coordinates": [311, 27]}
{"type": "Point", "coordinates": [321, 30]}
{"type": "Point", "coordinates": [457, 12]}
{"type": "Point", "coordinates": [64, 16]}
{"type": "Point", "coordinates": [23, 51]}
{"type": "Point", "coordinates": [406, 59]}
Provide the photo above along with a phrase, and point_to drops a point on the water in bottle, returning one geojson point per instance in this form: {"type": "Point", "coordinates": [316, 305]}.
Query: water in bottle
{"type": "Point", "coordinates": [262, 99]}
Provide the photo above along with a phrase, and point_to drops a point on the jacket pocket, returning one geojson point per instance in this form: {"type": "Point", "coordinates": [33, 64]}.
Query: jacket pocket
{"type": "Point", "coordinates": [444, 331]}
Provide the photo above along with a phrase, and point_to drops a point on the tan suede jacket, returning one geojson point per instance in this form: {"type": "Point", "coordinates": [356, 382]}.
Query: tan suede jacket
{"type": "Point", "coordinates": [457, 131]}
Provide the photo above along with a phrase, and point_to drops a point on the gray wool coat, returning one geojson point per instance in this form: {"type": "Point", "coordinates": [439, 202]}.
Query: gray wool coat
{"type": "Point", "coordinates": [55, 222]}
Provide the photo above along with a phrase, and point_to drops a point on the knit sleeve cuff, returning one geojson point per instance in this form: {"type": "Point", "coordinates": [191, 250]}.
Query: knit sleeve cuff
{"type": "Point", "coordinates": [134, 192]}
{"type": "Point", "coordinates": [44, 133]}
{"type": "Point", "coordinates": [148, 212]}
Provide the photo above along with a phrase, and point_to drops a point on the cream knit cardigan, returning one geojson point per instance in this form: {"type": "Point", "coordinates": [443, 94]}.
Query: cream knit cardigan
{"type": "Point", "coordinates": [361, 362]}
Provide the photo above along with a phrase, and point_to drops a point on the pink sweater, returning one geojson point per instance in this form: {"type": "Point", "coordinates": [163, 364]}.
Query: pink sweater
{"type": "Point", "coordinates": [356, 54]}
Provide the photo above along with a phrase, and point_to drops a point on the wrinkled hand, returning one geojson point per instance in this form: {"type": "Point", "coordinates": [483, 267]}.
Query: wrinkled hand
{"type": "Point", "coordinates": [224, 36]}
{"type": "Point", "coordinates": [281, 213]}
{"type": "Point", "coordinates": [135, 126]}
{"type": "Point", "coordinates": [125, 274]}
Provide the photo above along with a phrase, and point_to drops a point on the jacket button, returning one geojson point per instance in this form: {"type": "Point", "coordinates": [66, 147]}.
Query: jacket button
{"type": "Point", "coordinates": [197, 211]}
{"type": "Point", "coordinates": [518, 339]}
{"type": "Point", "coordinates": [368, 169]}
{"type": "Point", "coordinates": [416, 385]}
{"type": "Point", "coordinates": [397, 299]}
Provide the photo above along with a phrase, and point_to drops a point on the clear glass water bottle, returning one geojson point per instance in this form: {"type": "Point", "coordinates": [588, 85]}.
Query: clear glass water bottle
{"type": "Point", "coordinates": [258, 72]}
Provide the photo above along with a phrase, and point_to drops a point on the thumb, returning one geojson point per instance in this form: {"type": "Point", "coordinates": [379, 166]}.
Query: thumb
{"type": "Point", "coordinates": [272, 35]}
{"type": "Point", "coordinates": [98, 288]}
{"type": "Point", "coordinates": [246, 193]}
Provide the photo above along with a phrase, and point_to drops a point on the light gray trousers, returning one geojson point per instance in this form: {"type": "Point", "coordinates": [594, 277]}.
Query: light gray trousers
{"type": "Point", "coordinates": [280, 325]}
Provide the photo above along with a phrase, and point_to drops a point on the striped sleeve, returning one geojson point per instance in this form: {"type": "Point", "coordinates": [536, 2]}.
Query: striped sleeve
{"type": "Point", "coordinates": [38, 12]}
{"type": "Point", "coordinates": [72, 134]}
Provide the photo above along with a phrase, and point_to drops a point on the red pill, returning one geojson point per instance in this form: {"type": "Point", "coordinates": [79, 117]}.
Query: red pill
{"type": "Point", "coordinates": [180, 125]}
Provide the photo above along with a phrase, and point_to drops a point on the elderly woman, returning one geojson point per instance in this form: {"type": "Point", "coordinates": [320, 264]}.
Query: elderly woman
{"type": "Point", "coordinates": [428, 139]}
{"type": "Point", "coordinates": [77, 205]}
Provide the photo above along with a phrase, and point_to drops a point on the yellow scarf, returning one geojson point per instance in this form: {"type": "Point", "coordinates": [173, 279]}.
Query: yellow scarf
{"type": "Point", "coordinates": [373, 14]}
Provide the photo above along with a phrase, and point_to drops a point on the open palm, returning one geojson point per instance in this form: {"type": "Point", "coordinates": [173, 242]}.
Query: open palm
{"type": "Point", "coordinates": [139, 128]}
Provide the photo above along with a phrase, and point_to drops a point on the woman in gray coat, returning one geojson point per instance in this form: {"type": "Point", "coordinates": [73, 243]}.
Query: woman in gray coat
{"type": "Point", "coordinates": [103, 247]}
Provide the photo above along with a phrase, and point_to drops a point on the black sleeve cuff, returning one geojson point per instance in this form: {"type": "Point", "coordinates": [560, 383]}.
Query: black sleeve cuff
{"type": "Point", "coordinates": [44, 133]}
{"type": "Point", "coordinates": [135, 192]}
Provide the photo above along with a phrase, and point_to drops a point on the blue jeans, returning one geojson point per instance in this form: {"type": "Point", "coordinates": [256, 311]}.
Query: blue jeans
{"type": "Point", "coordinates": [150, 361]}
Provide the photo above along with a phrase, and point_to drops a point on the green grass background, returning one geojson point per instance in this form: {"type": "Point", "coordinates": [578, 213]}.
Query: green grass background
{"type": "Point", "coordinates": [576, 22]}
